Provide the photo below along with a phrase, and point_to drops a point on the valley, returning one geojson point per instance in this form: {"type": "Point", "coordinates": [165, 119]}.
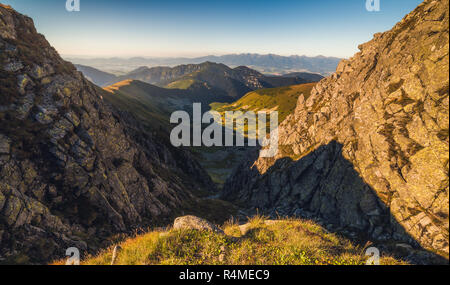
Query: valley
{"type": "Point", "coordinates": [87, 160]}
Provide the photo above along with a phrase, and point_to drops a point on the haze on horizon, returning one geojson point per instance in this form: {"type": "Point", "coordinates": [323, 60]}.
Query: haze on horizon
{"type": "Point", "coordinates": [177, 28]}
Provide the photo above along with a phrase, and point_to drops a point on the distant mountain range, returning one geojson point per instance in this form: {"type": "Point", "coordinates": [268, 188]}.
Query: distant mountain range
{"type": "Point", "coordinates": [216, 81]}
{"type": "Point", "coordinates": [270, 63]}
{"type": "Point", "coordinates": [96, 76]}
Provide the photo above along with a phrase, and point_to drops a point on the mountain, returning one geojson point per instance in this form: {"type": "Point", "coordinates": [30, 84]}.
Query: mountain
{"type": "Point", "coordinates": [279, 64]}
{"type": "Point", "coordinates": [151, 105]}
{"type": "Point", "coordinates": [96, 76]}
{"type": "Point", "coordinates": [213, 78]}
{"type": "Point", "coordinates": [307, 76]}
{"type": "Point", "coordinates": [74, 171]}
{"type": "Point", "coordinates": [269, 63]}
{"type": "Point", "coordinates": [367, 152]}
{"type": "Point", "coordinates": [281, 99]}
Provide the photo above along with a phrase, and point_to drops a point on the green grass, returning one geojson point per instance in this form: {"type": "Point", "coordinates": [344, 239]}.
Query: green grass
{"type": "Point", "coordinates": [152, 105]}
{"type": "Point", "coordinates": [283, 242]}
{"type": "Point", "coordinates": [181, 84]}
{"type": "Point", "coordinates": [282, 99]}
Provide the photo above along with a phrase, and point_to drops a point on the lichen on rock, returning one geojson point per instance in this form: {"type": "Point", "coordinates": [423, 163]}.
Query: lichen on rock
{"type": "Point", "coordinates": [367, 152]}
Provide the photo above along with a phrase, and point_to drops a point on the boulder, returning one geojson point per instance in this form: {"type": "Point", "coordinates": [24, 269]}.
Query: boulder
{"type": "Point", "coordinates": [5, 144]}
{"type": "Point", "coordinates": [195, 223]}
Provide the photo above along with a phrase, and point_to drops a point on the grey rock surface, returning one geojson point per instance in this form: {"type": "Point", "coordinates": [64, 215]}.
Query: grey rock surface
{"type": "Point", "coordinates": [73, 170]}
{"type": "Point", "coordinates": [368, 151]}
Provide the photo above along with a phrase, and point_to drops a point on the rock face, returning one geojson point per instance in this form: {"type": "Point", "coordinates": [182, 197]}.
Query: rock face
{"type": "Point", "coordinates": [73, 171]}
{"type": "Point", "coordinates": [195, 223]}
{"type": "Point", "coordinates": [368, 152]}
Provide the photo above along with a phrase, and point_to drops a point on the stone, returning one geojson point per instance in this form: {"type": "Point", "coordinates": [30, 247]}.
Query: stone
{"type": "Point", "coordinates": [13, 66]}
{"type": "Point", "coordinates": [195, 223]}
{"type": "Point", "coordinates": [5, 144]}
{"type": "Point", "coordinates": [370, 142]}
{"type": "Point", "coordinates": [82, 171]}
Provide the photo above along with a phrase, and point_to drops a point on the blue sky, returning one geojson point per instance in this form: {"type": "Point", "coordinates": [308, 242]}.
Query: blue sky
{"type": "Point", "coordinates": [198, 27]}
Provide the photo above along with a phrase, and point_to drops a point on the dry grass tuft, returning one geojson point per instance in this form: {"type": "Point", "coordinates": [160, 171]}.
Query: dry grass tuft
{"type": "Point", "coordinates": [260, 242]}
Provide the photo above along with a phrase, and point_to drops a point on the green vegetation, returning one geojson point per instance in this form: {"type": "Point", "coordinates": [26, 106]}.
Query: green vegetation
{"type": "Point", "coordinates": [219, 162]}
{"type": "Point", "coordinates": [260, 242]}
{"type": "Point", "coordinates": [150, 104]}
{"type": "Point", "coordinates": [281, 99]}
{"type": "Point", "coordinates": [181, 84]}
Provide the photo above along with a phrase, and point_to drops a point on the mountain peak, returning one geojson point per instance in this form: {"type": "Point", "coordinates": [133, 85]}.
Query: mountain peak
{"type": "Point", "coordinates": [367, 152]}
{"type": "Point", "coordinates": [72, 168]}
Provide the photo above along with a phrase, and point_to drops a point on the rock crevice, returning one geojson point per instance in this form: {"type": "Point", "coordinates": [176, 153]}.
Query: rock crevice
{"type": "Point", "coordinates": [73, 170]}
{"type": "Point", "coordinates": [370, 145]}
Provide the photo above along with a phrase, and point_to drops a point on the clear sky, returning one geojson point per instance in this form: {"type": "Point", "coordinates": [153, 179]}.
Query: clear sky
{"type": "Point", "coordinates": [197, 27]}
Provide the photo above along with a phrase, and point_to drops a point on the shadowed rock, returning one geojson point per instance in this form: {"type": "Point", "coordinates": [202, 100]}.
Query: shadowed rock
{"type": "Point", "coordinates": [367, 152]}
{"type": "Point", "coordinates": [73, 170]}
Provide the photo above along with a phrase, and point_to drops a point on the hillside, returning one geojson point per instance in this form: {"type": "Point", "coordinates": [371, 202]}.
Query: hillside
{"type": "Point", "coordinates": [367, 151]}
{"type": "Point", "coordinates": [308, 76]}
{"type": "Point", "coordinates": [75, 171]}
{"type": "Point", "coordinates": [268, 63]}
{"type": "Point", "coordinates": [259, 242]}
{"type": "Point", "coordinates": [217, 80]}
{"type": "Point", "coordinates": [150, 104]}
{"type": "Point", "coordinates": [96, 76]}
{"type": "Point", "coordinates": [272, 63]}
{"type": "Point", "coordinates": [281, 99]}
{"type": "Point", "coordinates": [362, 160]}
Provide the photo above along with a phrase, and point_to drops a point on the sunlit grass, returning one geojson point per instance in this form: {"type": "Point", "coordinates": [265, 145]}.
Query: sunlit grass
{"type": "Point", "coordinates": [260, 242]}
{"type": "Point", "coordinates": [281, 99]}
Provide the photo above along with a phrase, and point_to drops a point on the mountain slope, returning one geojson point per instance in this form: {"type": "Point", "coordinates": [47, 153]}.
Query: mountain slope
{"type": "Point", "coordinates": [281, 99]}
{"type": "Point", "coordinates": [279, 64]}
{"type": "Point", "coordinates": [150, 104]}
{"type": "Point", "coordinates": [153, 105]}
{"type": "Point", "coordinates": [308, 76]}
{"type": "Point", "coordinates": [268, 63]}
{"type": "Point", "coordinates": [96, 76]}
{"type": "Point", "coordinates": [259, 242]}
{"type": "Point", "coordinates": [73, 170]}
{"type": "Point", "coordinates": [367, 152]}
{"type": "Point", "coordinates": [216, 79]}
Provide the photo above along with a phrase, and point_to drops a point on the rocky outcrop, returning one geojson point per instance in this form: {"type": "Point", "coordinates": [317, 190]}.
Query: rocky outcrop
{"type": "Point", "coordinates": [368, 151]}
{"type": "Point", "coordinates": [194, 223]}
{"type": "Point", "coordinates": [74, 171]}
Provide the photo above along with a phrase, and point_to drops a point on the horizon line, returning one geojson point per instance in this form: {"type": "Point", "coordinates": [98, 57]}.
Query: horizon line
{"type": "Point", "coordinates": [194, 57]}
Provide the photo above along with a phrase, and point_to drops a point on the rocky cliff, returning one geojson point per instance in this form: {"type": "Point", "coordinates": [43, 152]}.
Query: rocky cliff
{"type": "Point", "coordinates": [368, 151]}
{"type": "Point", "coordinates": [74, 171]}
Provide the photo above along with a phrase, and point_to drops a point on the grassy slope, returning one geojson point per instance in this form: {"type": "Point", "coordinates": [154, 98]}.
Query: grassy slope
{"type": "Point", "coordinates": [150, 104]}
{"type": "Point", "coordinates": [181, 84]}
{"type": "Point", "coordinates": [282, 99]}
{"type": "Point", "coordinates": [220, 162]}
{"type": "Point", "coordinates": [284, 242]}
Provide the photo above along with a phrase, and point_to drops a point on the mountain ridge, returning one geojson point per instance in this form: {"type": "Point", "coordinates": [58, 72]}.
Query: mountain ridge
{"type": "Point", "coordinates": [222, 82]}
{"type": "Point", "coordinates": [268, 63]}
{"type": "Point", "coordinates": [74, 171]}
{"type": "Point", "coordinates": [367, 152]}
